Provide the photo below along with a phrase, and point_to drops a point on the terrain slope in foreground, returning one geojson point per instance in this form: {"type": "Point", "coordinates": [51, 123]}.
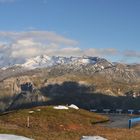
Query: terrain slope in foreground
{"type": "Point", "coordinates": [51, 124]}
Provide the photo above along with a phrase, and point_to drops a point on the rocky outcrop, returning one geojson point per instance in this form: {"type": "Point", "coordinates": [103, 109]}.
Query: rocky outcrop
{"type": "Point", "coordinates": [19, 91]}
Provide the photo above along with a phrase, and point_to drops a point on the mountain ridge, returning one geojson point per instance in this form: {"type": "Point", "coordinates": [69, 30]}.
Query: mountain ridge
{"type": "Point", "coordinates": [48, 61]}
{"type": "Point", "coordinates": [62, 79]}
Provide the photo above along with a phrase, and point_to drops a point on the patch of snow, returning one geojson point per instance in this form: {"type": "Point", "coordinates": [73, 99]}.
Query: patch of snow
{"type": "Point", "coordinates": [3, 68]}
{"type": "Point", "coordinates": [38, 110]}
{"type": "Point", "coordinates": [60, 107]}
{"type": "Point", "coordinates": [73, 106]}
{"type": "Point", "coordinates": [30, 112]}
{"type": "Point", "coordinates": [92, 138]}
{"type": "Point", "coordinates": [87, 61]}
{"type": "Point", "coordinates": [45, 61]}
{"type": "Point", "coordinates": [102, 67]}
{"type": "Point", "coordinates": [65, 107]}
{"type": "Point", "coordinates": [12, 137]}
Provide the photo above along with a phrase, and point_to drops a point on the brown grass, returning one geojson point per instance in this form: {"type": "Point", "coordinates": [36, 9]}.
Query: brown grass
{"type": "Point", "coordinates": [51, 124]}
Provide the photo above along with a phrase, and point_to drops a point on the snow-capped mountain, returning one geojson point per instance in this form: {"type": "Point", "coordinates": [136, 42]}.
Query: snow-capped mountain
{"type": "Point", "coordinates": [55, 75]}
{"type": "Point", "coordinates": [77, 64]}
{"type": "Point", "coordinates": [87, 65]}
{"type": "Point", "coordinates": [48, 61]}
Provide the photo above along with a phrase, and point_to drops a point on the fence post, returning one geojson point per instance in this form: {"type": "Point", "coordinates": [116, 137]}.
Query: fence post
{"type": "Point", "coordinates": [129, 124]}
{"type": "Point", "coordinates": [106, 110]}
{"type": "Point", "coordinates": [130, 111]}
{"type": "Point", "coordinates": [119, 111]}
{"type": "Point", "coordinates": [28, 121]}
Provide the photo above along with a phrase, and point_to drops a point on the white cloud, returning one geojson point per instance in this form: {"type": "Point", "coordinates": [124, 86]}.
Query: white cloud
{"type": "Point", "coordinates": [101, 51]}
{"type": "Point", "coordinates": [70, 51]}
{"type": "Point", "coordinates": [18, 46]}
{"type": "Point", "coordinates": [25, 42]}
{"type": "Point", "coordinates": [39, 36]}
{"type": "Point", "coordinates": [24, 49]}
{"type": "Point", "coordinates": [132, 53]}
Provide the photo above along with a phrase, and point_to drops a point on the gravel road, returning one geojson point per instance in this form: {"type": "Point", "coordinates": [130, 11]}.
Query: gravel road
{"type": "Point", "coordinates": [117, 121]}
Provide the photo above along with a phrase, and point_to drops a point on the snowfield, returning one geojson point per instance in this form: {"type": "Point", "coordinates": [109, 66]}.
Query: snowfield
{"type": "Point", "coordinates": [60, 107]}
{"type": "Point", "coordinates": [12, 137]}
{"type": "Point", "coordinates": [49, 61]}
{"type": "Point", "coordinates": [93, 138]}
{"type": "Point", "coordinates": [65, 107]}
{"type": "Point", "coordinates": [73, 106]}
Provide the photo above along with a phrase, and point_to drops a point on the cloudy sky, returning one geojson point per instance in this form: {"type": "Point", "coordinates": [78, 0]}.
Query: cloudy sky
{"type": "Point", "coordinates": [104, 28]}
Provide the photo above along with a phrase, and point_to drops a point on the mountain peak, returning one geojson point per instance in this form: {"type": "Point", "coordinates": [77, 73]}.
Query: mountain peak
{"type": "Point", "coordinates": [48, 61]}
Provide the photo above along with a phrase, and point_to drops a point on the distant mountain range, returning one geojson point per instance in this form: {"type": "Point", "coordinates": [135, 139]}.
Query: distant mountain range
{"type": "Point", "coordinates": [46, 61]}
{"type": "Point", "coordinates": [86, 65]}
{"type": "Point", "coordinates": [62, 80]}
{"type": "Point", "coordinates": [49, 61]}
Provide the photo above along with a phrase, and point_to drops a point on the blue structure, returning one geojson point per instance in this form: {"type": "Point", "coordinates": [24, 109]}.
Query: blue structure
{"type": "Point", "coordinates": [133, 120]}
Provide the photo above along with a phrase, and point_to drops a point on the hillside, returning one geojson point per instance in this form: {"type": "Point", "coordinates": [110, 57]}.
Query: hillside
{"type": "Point", "coordinates": [49, 123]}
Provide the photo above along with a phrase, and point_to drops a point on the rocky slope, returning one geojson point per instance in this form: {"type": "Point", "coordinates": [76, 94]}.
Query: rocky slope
{"type": "Point", "coordinates": [61, 80]}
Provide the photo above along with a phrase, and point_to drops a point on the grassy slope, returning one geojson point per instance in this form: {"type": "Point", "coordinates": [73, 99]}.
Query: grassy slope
{"type": "Point", "coordinates": [49, 123]}
{"type": "Point", "coordinates": [54, 124]}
